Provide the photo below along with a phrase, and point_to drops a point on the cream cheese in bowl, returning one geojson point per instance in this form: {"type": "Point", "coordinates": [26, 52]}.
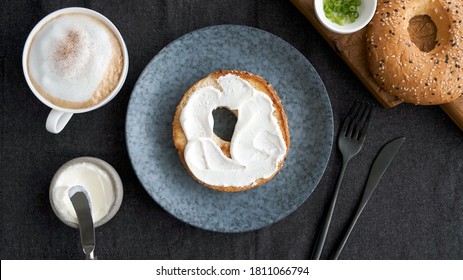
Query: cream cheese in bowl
{"type": "Point", "coordinates": [98, 178]}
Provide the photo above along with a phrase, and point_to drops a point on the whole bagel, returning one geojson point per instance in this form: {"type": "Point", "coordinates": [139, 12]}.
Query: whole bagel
{"type": "Point", "coordinates": [401, 68]}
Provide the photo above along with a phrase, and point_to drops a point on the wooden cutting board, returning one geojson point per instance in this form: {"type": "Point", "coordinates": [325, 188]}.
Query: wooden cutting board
{"type": "Point", "coordinates": [352, 49]}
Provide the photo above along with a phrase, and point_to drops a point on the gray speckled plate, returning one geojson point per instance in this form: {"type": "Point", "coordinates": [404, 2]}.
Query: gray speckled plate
{"type": "Point", "coordinates": [163, 83]}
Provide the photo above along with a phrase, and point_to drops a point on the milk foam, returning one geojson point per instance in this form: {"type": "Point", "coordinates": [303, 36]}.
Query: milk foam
{"type": "Point", "coordinates": [75, 61]}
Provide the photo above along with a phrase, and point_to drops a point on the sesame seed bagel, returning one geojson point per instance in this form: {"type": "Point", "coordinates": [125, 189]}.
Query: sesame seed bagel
{"type": "Point", "coordinates": [401, 68]}
{"type": "Point", "coordinates": [186, 126]}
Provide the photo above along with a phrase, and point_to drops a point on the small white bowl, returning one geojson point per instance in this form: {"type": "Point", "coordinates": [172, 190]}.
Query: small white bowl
{"type": "Point", "coordinates": [366, 11]}
{"type": "Point", "coordinates": [116, 183]}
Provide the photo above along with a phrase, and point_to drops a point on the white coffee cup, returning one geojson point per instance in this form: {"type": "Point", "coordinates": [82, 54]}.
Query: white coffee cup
{"type": "Point", "coordinates": [60, 116]}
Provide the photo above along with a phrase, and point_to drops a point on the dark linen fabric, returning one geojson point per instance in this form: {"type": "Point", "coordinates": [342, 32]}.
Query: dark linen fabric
{"type": "Point", "coordinates": [415, 213]}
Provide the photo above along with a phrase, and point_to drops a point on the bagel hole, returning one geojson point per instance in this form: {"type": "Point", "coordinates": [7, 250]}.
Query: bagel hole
{"type": "Point", "coordinates": [224, 123]}
{"type": "Point", "coordinates": [423, 31]}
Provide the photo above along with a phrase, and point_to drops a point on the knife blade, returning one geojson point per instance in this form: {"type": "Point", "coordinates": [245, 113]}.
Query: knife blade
{"type": "Point", "coordinates": [82, 205]}
{"type": "Point", "coordinates": [379, 167]}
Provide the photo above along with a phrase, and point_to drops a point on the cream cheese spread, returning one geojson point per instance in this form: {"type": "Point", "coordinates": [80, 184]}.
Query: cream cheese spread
{"type": "Point", "coordinates": [257, 145]}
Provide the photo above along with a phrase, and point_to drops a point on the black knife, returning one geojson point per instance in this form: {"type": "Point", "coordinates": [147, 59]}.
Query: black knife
{"type": "Point", "coordinates": [380, 165]}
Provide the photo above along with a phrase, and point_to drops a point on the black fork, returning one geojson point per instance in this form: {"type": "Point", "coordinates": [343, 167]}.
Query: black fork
{"type": "Point", "coordinates": [350, 141]}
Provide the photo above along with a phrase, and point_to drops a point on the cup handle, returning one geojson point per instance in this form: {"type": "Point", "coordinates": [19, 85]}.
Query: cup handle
{"type": "Point", "coordinates": [57, 120]}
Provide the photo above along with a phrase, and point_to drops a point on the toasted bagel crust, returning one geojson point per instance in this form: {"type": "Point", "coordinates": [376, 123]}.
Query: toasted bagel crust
{"type": "Point", "coordinates": [401, 68]}
{"type": "Point", "coordinates": [256, 82]}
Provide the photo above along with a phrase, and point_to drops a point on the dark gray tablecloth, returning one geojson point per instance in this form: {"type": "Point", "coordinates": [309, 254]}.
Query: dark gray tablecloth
{"type": "Point", "coordinates": [415, 213]}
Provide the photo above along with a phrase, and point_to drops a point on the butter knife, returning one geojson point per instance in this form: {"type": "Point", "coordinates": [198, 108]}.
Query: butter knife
{"type": "Point", "coordinates": [82, 205]}
{"type": "Point", "coordinates": [380, 165]}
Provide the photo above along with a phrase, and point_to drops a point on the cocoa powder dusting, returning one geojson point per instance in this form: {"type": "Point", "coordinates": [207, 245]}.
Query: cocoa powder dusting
{"type": "Point", "coordinates": [67, 50]}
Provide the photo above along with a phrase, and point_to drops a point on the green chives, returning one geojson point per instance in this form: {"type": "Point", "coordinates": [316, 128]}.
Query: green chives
{"type": "Point", "coordinates": [341, 11]}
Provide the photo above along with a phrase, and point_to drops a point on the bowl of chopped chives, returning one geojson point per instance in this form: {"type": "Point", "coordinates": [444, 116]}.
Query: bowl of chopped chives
{"type": "Point", "coordinates": [345, 16]}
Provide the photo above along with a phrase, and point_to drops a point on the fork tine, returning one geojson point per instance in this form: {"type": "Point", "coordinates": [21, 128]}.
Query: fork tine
{"type": "Point", "coordinates": [366, 120]}
{"type": "Point", "coordinates": [360, 121]}
{"type": "Point", "coordinates": [354, 123]}
{"type": "Point", "coordinates": [347, 122]}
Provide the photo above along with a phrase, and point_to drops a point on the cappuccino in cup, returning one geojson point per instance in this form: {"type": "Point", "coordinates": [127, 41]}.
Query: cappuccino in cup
{"type": "Point", "coordinates": [74, 61]}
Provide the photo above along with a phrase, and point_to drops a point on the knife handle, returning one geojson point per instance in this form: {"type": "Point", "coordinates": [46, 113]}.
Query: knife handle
{"type": "Point", "coordinates": [90, 256]}
{"type": "Point", "coordinates": [381, 163]}
{"type": "Point", "coordinates": [366, 196]}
